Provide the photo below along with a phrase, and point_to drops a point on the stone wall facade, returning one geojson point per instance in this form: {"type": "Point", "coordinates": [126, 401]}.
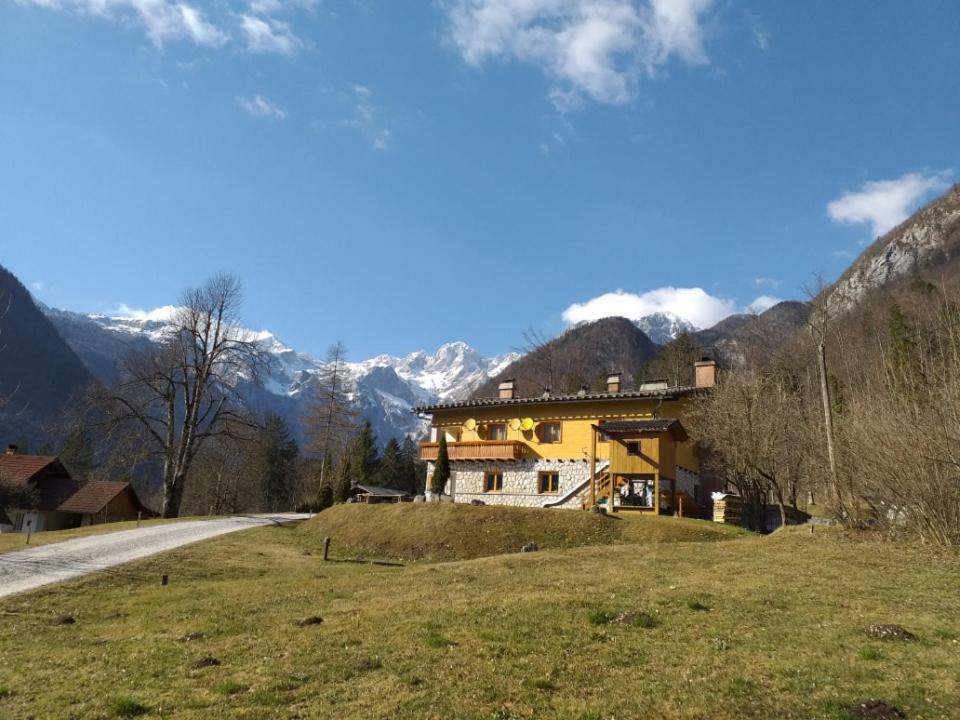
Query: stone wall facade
{"type": "Point", "coordinates": [521, 482]}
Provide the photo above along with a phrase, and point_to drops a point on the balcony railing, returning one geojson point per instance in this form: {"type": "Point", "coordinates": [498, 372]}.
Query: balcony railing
{"type": "Point", "coordinates": [480, 450]}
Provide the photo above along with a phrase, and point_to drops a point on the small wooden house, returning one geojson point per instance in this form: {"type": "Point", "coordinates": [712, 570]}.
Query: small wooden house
{"type": "Point", "coordinates": [44, 496]}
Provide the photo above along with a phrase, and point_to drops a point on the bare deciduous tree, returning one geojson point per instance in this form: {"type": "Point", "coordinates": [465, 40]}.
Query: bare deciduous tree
{"type": "Point", "coordinates": [331, 420]}
{"type": "Point", "coordinates": [181, 394]}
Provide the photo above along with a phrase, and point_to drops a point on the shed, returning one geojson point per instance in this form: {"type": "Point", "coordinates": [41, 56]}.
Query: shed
{"type": "Point", "coordinates": [372, 494]}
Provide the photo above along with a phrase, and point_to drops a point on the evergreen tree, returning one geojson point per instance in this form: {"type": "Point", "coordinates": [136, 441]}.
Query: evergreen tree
{"type": "Point", "coordinates": [389, 474]}
{"type": "Point", "coordinates": [441, 468]}
{"type": "Point", "coordinates": [364, 461]}
{"type": "Point", "coordinates": [325, 497]}
{"type": "Point", "coordinates": [411, 469]}
{"type": "Point", "coordinates": [278, 456]}
{"type": "Point", "coordinates": [77, 453]}
{"type": "Point", "coordinates": [343, 480]}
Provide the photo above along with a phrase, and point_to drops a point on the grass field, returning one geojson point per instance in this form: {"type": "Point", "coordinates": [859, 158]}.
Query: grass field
{"type": "Point", "coordinates": [18, 541]}
{"type": "Point", "coordinates": [757, 627]}
{"type": "Point", "coordinates": [451, 531]}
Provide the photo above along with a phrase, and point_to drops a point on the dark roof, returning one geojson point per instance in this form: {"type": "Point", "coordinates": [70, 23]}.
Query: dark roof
{"type": "Point", "coordinates": [650, 393]}
{"type": "Point", "coordinates": [20, 468]}
{"type": "Point", "coordinates": [380, 491]}
{"type": "Point", "coordinates": [42, 477]}
{"type": "Point", "coordinates": [95, 495]}
{"type": "Point", "coordinates": [636, 428]}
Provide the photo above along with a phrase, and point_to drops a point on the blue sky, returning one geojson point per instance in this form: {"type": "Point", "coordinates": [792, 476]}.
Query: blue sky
{"type": "Point", "coordinates": [400, 174]}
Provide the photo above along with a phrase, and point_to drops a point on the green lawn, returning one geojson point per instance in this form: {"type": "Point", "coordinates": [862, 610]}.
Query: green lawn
{"type": "Point", "coordinates": [757, 627]}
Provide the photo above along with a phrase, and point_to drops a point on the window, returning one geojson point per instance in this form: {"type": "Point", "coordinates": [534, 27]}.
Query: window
{"type": "Point", "coordinates": [497, 432]}
{"type": "Point", "coordinates": [492, 482]}
{"type": "Point", "coordinates": [633, 447]}
{"type": "Point", "coordinates": [549, 482]}
{"type": "Point", "coordinates": [550, 432]}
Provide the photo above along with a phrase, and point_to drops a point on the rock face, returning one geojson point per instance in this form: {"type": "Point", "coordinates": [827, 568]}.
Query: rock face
{"type": "Point", "coordinates": [39, 373]}
{"type": "Point", "coordinates": [930, 238]}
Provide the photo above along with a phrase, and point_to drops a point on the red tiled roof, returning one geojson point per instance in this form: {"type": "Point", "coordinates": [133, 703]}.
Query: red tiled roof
{"type": "Point", "coordinates": [93, 496]}
{"type": "Point", "coordinates": [20, 468]}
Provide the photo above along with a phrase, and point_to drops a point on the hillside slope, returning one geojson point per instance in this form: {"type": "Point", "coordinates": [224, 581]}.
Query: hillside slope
{"type": "Point", "coordinates": [39, 373]}
{"type": "Point", "coordinates": [927, 243]}
{"type": "Point", "coordinates": [584, 354]}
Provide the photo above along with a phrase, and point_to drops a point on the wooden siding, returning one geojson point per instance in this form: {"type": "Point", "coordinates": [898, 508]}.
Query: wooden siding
{"type": "Point", "coordinates": [576, 419]}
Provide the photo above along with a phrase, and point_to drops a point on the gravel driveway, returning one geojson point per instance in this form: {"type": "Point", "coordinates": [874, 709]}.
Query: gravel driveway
{"type": "Point", "coordinates": [24, 570]}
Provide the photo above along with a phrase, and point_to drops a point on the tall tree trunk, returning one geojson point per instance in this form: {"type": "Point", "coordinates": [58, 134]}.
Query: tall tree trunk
{"type": "Point", "coordinates": [828, 423]}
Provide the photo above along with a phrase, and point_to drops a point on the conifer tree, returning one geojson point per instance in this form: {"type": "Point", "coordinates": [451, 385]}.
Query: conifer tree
{"type": "Point", "coordinates": [77, 453]}
{"type": "Point", "coordinates": [278, 456]}
{"type": "Point", "coordinates": [411, 469]}
{"type": "Point", "coordinates": [364, 460]}
{"type": "Point", "coordinates": [441, 468]}
{"type": "Point", "coordinates": [343, 480]}
{"type": "Point", "coordinates": [390, 473]}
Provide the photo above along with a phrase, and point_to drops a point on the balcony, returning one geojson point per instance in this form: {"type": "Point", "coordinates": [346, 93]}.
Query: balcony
{"type": "Point", "coordinates": [481, 450]}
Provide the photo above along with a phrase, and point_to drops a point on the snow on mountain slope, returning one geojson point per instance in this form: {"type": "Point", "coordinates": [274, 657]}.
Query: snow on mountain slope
{"type": "Point", "coordinates": [662, 327]}
{"type": "Point", "coordinates": [385, 388]}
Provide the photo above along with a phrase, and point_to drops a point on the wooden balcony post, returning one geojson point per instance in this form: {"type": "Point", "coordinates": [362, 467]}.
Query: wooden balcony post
{"type": "Point", "coordinates": [593, 466]}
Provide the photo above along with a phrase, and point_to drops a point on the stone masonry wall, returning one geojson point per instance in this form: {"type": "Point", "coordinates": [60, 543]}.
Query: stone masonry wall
{"type": "Point", "coordinates": [520, 482]}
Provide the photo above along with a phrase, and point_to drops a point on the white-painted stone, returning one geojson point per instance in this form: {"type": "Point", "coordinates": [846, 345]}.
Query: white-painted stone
{"type": "Point", "coordinates": [521, 482]}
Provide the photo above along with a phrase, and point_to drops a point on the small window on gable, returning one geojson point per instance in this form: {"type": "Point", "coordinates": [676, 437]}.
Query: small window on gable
{"type": "Point", "coordinates": [549, 432]}
{"type": "Point", "coordinates": [633, 447]}
{"type": "Point", "coordinates": [497, 431]}
{"type": "Point", "coordinates": [549, 482]}
{"type": "Point", "coordinates": [492, 482]}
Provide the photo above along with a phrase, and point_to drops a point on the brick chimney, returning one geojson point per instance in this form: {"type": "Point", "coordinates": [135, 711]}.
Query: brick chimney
{"type": "Point", "coordinates": [705, 373]}
{"type": "Point", "coordinates": [12, 449]}
{"type": "Point", "coordinates": [508, 390]}
{"type": "Point", "coordinates": [613, 382]}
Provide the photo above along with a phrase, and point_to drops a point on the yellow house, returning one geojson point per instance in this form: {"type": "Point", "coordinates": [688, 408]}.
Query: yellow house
{"type": "Point", "coordinates": [623, 450]}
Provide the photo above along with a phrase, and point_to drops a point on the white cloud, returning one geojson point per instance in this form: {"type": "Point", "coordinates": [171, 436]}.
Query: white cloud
{"type": "Point", "coordinates": [762, 303]}
{"type": "Point", "coordinates": [160, 314]}
{"type": "Point", "coordinates": [366, 118]}
{"type": "Point", "coordinates": [259, 106]}
{"type": "Point", "coordinates": [694, 305]}
{"type": "Point", "coordinates": [163, 21]}
{"type": "Point", "coordinates": [269, 35]}
{"type": "Point", "coordinates": [592, 48]}
{"type": "Point", "coordinates": [884, 204]}
{"type": "Point", "coordinates": [38, 286]}
{"type": "Point", "coordinates": [767, 282]}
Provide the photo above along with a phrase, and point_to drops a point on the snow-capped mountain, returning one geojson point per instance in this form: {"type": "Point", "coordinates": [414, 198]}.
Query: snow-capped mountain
{"type": "Point", "coordinates": [385, 388]}
{"type": "Point", "coordinates": [662, 327]}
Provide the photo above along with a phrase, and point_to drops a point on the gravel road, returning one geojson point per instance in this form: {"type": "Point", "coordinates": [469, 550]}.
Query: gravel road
{"type": "Point", "coordinates": [24, 570]}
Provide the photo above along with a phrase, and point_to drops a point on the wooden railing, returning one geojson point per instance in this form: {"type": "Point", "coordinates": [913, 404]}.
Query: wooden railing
{"type": "Point", "coordinates": [480, 450]}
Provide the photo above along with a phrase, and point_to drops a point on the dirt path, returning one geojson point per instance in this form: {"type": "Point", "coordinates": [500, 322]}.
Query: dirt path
{"type": "Point", "coordinates": [24, 570]}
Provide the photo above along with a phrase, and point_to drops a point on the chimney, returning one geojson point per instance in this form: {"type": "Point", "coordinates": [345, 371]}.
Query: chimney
{"type": "Point", "coordinates": [613, 382]}
{"type": "Point", "coordinates": [12, 449]}
{"type": "Point", "coordinates": [705, 373]}
{"type": "Point", "coordinates": [508, 390]}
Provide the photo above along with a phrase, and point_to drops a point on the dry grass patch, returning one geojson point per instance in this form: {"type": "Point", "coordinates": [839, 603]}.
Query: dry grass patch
{"type": "Point", "coordinates": [453, 531]}
{"type": "Point", "coordinates": [498, 637]}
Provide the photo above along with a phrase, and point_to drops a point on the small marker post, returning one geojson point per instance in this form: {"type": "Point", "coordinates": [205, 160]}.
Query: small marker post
{"type": "Point", "coordinates": [326, 548]}
{"type": "Point", "coordinates": [164, 580]}
{"type": "Point", "coordinates": [29, 531]}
